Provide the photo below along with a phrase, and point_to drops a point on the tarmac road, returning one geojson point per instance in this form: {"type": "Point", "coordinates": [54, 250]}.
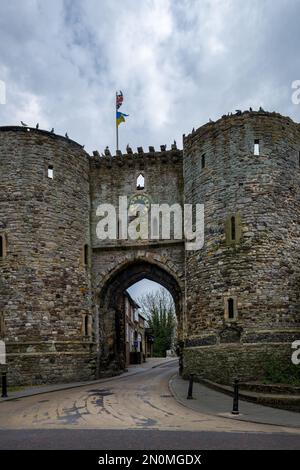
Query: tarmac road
{"type": "Point", "coordinates": [134, 412]}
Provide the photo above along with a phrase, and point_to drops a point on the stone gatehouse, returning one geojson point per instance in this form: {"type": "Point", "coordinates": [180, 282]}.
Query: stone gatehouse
{"type": "Point", "coordinates": [237, 298]}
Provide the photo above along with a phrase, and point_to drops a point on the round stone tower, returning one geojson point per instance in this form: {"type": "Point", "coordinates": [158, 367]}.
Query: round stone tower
{"type": "Point", "coordinates": [243, 286]}
{"type": "Point", "coordinates": [45, 303]}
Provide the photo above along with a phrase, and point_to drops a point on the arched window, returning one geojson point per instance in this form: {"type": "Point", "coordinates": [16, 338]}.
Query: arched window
{"type": "Point", "coordinates": [203, 161]}
{"type": "Point", "coordinates": [140, 182]}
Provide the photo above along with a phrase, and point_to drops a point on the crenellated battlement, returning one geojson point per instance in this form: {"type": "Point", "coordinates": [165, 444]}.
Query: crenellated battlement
{"type": "Point", "coordinates": [163, 155]}
{"type": "Point", "coordinates": [236, 119]}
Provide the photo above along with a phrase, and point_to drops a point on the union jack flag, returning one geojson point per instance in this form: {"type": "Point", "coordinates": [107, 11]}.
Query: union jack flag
{"type": "Point", "coordinates": [119, 99]}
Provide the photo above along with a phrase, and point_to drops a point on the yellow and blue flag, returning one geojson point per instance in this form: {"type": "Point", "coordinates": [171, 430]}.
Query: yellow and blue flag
{"type": "Point", "coordinates": [120, 117]}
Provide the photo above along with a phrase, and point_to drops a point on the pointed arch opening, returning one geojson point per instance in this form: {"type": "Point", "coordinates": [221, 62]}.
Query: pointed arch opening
{"type": "Point", "coordinates": [140, 182]}
{"type": "Point", "coordinates": [112, 308]}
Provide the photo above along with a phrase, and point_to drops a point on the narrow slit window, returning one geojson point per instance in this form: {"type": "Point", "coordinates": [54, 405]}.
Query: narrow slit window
{"type": "Point", "coordinates": [2, 325]}
{"type": "Point", "coordinates": [256, 147]}
{"type": "Point", "coordinates": [86, 325]}
{"type": "Point", "coordinates": [50, 172]}
{"type": "Point", "coordinates": [232, 228]}
{"type": "Point", "coordinates": [203, 161]}
{"type": "Point", "coordinates": [299, 158]}
{"type": "Point", "coordinates": [86, 255]}
{"type": "Point", "coordinates": [1, 246]}
{"type": "Point", "coordinates": [140, 182]}
{"type": "Point", "coordinates": [230, 305]}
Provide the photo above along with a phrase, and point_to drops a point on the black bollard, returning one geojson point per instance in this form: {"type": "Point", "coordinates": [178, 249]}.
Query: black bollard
{"type": "Point", "coordinates": [4, 385]}
{"type": "Point", "coordinates": [235, 408]}
{"type": "Point", "coordinates": [180, 366]}
{"type": "Point", "coordinates": [190, 390]}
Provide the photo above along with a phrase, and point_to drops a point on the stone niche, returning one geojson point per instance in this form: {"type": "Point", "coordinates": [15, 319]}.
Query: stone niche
{"type": "Point", "coordinates": [230, 334]}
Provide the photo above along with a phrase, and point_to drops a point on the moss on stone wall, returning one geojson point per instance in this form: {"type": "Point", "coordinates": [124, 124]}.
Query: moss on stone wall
{"type": "Point", "coordinates": [248, 362]}
{"type": "Point", "coordinates": [282, 373]}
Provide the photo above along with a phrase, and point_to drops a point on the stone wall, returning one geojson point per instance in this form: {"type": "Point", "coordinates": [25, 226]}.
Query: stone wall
{"type": "Point", "coordinates": [260, 271]}
{"type": "Point", "coordinates": [44, 284]}
{"type": "Point", "coordinates": [115, 176]}
{"type": "Point", "coordinates": [59, 301]}
{"type": "Point", "coordinates": [223, 363]}
{"type": "Point", "coordinates": [112, 177]}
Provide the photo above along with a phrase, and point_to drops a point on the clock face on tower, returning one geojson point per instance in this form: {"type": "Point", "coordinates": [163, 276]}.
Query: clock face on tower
{"type": "Point", "coordinates": [139, 203]}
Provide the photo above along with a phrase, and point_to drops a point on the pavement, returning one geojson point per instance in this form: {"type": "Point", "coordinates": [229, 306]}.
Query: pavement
{"type": "Point", "coordinates": [208, 401]}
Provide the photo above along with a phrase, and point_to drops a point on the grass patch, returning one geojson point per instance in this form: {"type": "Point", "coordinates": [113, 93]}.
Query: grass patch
{"type": "Point", "coordinates": [15, 388]}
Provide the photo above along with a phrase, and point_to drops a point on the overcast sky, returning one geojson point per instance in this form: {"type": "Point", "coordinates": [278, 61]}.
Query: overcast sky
{"type": "Point", "coordinates": [178, 64]}
{"type": "Point", "coordinates": [143, 287]}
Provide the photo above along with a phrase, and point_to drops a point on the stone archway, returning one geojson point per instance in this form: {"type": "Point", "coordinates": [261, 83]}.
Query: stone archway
{"type": "Point", "coordinates": [111, 314]}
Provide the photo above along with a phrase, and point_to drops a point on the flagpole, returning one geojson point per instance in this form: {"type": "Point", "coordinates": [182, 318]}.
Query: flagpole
{"type": "Point", "coordinates": [117, 131]}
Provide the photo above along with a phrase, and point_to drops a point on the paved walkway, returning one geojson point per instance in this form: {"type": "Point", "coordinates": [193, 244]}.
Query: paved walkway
{"type": "Point", "coordinates": [40, 389]}
{"type": "Point", "coordinates": [210, 402]}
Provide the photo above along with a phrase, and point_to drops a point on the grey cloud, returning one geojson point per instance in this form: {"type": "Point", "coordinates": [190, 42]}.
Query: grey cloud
{"type": "Point", "coordinates": [177, 62]}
